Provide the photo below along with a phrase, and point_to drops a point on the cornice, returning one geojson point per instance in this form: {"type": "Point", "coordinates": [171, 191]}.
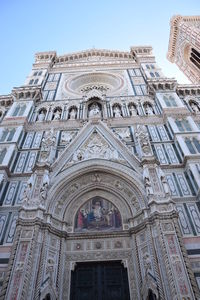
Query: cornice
{"type": "Point", "coordinates": [188, 90]}
{"type": "Point", "coordinates": [161, 84]}
{"type": "Point", "coordinates": [6, 100]}
{"type": "Point", "coordinates": [27, 92]}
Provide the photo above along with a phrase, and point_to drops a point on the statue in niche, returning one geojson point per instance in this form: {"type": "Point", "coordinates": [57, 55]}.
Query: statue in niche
{"type": "Point", "coordinates": [147, 263]}
{"type": "Point", "coordinates": [48, 147]}
{"type": "Point", "coordinates": [98, 214]}
{"type": "Point", "coordinates": [72, 114]}
{"type": "Point", "coordinates": [143, 139]}
{"type": "Point", "coordinates": [164, 181]}
{"type": "Point", "coordinates": [194, 107]}
{"type": "Point", "coordinates": [147, 182]}
{"type": "Point", "coordinates": [133, 111]}
{"type": "Point", "coordinates": [94, 110]}
{"type": "Point", "coordinates": [41, 116]}
{"type": "Point", "coordinates": [44, 187]}
{"type": "Point", "coordinates": [56, 115]}
{"type": "Point", "coordinates": [149, 110]}
{"type": "Point", "coordinates": [28, 190]}
{"type": "Point", "coordinates": [117, 112]}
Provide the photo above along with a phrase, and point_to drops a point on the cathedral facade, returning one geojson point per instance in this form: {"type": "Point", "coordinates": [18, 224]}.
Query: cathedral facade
{"type": "Point", "coordinates": [100, 180]}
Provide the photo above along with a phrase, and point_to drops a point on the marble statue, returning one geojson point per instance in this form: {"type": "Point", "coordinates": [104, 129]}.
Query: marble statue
{"type": "Point", "coordinates": [147, 182]}
{"type": "Point", "coordinates": [149, 110]}
{"type": "Point", "coordinates": [28, 190]}
{"type": "Point", "coordinates": [48, 147]}
{"type": "Point", "coordinates": [72, 114]}
{"type": "Point", "coordinates": [56, 115]}
{"type": "Point", "coordinates": [41, 116]}
{"type": "Point", "coordinates": [44, 187]}
{"type": "Point", "coordinates": [163, 181]}
{"type": "Point", "coordinates": [117, 112]}
{"type": "Point", "coordinates": [94, 110]}
{"type": "Point", "coordinates": [133, 111]}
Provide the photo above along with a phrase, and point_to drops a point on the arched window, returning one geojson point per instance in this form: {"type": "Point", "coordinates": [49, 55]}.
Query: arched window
{"type": "Point", "coordinates": [16, 111]}
{"type": "Point", "coordinates": [4, 135]}
{"type": "Point", "coordinates": [152, 66]}
{"type": "Point", "coordinates": [11, 134]}
{"type": "Point", "coordinates": [147, 66]}
{"type": "Point", "coordinates": [22, 110]}
{"type": "Point", "coordinates": [40, 73]}
{"type": "Point", "coordinates": [47, 297]}
{"type": "Point", "coordinates": [183, 125]}
{"type": "Point", "coordinates": [167, 102]}
{"type": "Point", "coordinates": [152, 74]}
{"type": "Point", "coordinates": [151, 295]}
{"type": "Point", "coordinates": [172, 101]}
{"type": "Point", "coordinates": [36, 81]}
{"type": "Point", "coordinates": [157, 74]}
{"type": "Point", "coordinates": [196, 144]}
{"type": "Point", "coordinates": [2, 154]}
{"type": "Point", "coordinates": [195, 57]}
{"type": "Point", "coordinates": [31, 81]}
{"type": "Point", "coordinates": [190, 146]}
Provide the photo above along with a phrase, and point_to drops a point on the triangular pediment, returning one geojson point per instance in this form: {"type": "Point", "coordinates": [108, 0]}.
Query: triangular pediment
{"type": "Point", "coordinates": [95, 141]}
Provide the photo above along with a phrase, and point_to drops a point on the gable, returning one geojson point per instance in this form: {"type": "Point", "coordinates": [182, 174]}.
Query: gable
{"type": "Point", "coordinates": [95, 140]}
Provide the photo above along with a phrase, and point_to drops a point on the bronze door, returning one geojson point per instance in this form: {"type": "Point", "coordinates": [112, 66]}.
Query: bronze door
{"type": "Point", "coordinates": [99, 281]}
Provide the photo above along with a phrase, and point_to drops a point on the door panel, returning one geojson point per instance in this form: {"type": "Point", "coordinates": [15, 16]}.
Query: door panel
{"type": "Point", "coordinates": [99, 281]}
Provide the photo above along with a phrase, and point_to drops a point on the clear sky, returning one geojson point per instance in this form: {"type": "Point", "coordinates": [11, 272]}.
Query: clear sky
{"type": "Point", "coordinates": [67, 26]}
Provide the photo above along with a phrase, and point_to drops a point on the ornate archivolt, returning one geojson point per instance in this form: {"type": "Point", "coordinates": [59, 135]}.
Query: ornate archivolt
{"type": "Point", "coordinates": [69, 193]}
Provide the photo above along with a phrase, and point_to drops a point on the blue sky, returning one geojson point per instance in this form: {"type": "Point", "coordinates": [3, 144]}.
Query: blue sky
{"type": "Point", "coordinates": [68, 26]}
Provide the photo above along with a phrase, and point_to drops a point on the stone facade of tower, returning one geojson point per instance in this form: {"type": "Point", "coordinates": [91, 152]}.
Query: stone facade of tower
{"type": "Point", "coordinates": [184, 45]}
{"type": "Point", "coordinates": [100, 162]}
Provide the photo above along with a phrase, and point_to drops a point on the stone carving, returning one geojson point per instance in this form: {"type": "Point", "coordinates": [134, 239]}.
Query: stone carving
{"type": "Point", "coordinates": [48, 147]}
{"type": "Point", "coordinates": [95, 147]}
{"type": "Point", "coordinates": [44, 187]}
{"type": "Point", "coordinates": [142, 137]}
{"type": "Point", "coordinates": [94, 110]}
{"type": "Point", "coordinates": [117, 112]}
{"type": "Point", "coordinates": [96, 177]}
{"type": "Point", "coordinates": [147, 182]}
{"type": "Point", "coordinates": [124, 133]}
{"type": "Point", "coordinates": [67, 136]}
{"type": "Point", "coordinates": [163, 181]}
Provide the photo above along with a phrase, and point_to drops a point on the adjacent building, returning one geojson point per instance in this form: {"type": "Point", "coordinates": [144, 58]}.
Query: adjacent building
{"type": "Point", "coordinates": [100, 180]}
{"type": "Point", "coordinates": [184, 45]}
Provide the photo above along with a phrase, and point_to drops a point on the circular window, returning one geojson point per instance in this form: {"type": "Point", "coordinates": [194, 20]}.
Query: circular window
{"type": "Point", "coordinates": [104, 82]}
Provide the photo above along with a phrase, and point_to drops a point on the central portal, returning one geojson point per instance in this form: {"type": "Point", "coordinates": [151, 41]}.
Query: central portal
{"type": "Point", "coordinates": [99, 281]}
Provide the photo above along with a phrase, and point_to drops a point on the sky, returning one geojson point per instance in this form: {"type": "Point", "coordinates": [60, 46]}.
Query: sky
{"type": "Point", "coordinates": [67, 26]}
